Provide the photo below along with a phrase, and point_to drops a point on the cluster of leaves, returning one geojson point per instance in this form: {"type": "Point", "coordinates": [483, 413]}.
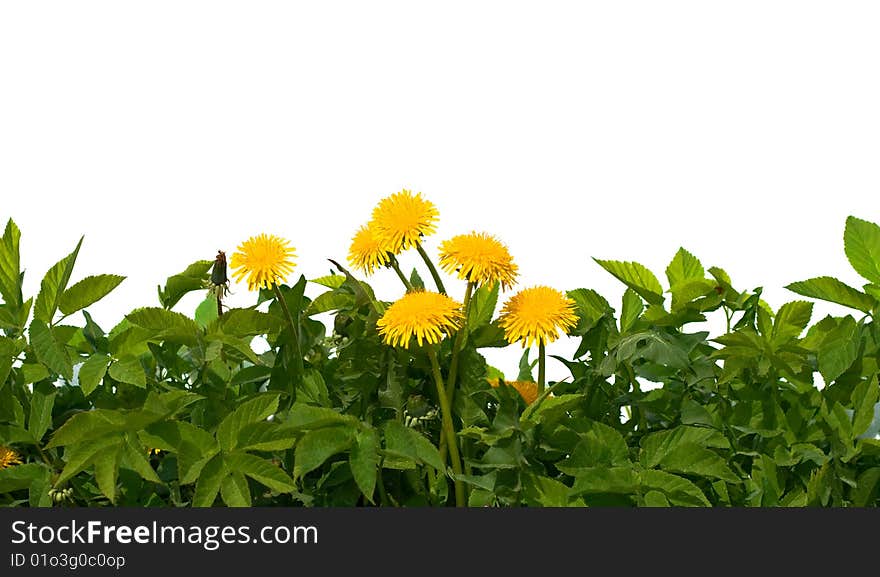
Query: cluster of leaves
{"type": "Point", "coordinates": [171, 410]}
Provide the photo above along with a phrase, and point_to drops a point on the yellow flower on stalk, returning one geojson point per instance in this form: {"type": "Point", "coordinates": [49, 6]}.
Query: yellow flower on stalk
{"type": "Point", "coordinates": [368, 250]}
{"type": "Point", "coordinates": [8, 458]}
{"type": "Point", "coordinates": [478, 258]}
{"type": "Point", "coordinates": [535, 315]}
{"type": "Point", "coordinates": [423, 314]}
{"type": "Point", "coordinates": [264, 260]}
{"type": "Point", "coordinates": [528, 390]}
{"type": "Point", "coordinates": [403, 218]}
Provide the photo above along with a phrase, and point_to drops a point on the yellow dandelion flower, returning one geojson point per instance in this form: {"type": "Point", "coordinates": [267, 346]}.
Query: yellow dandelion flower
{"type": "Point", "coordinates": [535, 315]}
{"type": "Point", "coordinates": [423, 314]}
{"type": "Point", "coordinates": [479, 258]}
{"type": "Point", "coordinates": [369, 250]}
{"type": "Point", "coordinates": [528, 390]}
{"type": "Point", "coordinates": [8, 458]}
{"type": "Point", "coordinates": [264, 260]}
{"type": "Point", "coordinates": [403, 218]}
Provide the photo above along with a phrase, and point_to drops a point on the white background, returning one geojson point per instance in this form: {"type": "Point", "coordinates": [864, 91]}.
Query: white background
{"type": "Point", "coordinates": [164, 131]}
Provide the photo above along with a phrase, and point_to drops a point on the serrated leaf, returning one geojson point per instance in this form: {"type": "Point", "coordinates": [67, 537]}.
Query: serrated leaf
{"type": "Point", "coordinates": [330, 301]}
{"type": "Point", "coordinates": [97, 423]}
{"type": "Point", "coordinates": [136, 459]}
{"type": "Point", "coordinates": [332, 281]}
{"type": "Point", "coordinates": [678, 490]}
{"type": "Point", "coordinates": [304, 417]}
{"type": "Point", "coordinates": [791, 319]}
{"type": "Point", "coordinates": [684, 266]}
{"type": "Point", "coordinates": [193, 278]}
{"type": "Point", "coordinates": [830, 289]}
{"type": "Point", "coordinates": [42, 402]}
{"type": "Point", "coordinates": [10, 267]}
{"type": "Point", "coordinates": [692, 459]}
{"type": "Point", "coordinates": [128, 369]}
{"type": "Point", "coordinates": [209, 482]}
{"type": "Point", "coordinates": [53, 285]}
{"type": "Point", "coordinates": [235, 491]}
{"type": "Point", "coordinates": [260, 470]}
{"type": "Point", "coordinates": [266, 436]}
{"type": "Point", "coordinates": [80, 456]}
{"type": "Point", "coordinates": [864, 397]}
{"type": "Point", "coordinates": [364, 462]}
{"type": "Point", "coordinates": [838, 349]}
{"type": "Point", "coordinates": [87, 292]}
{"type": "Point", "coordinates": [106, 463]}
{"type": "Point", "coordinates": [637, 277]}
{"type": "Point", "coordinates": [20, 476]}
{"type": "Point", "coordinates": [482, 306]}
{"type": "Point", "coordinates": [861, 242]}
{"type": "Point", "coordinates": [250, 411]}
{"type": "Point", "coordinates": [630, 310]}
{"type": "Point", "coordinates": [409, 443]}
{"type": "Point", "coordinates": [597, 480]}
{"type": "Point", "coordinates": [48, 350]}
{"type": "Point", "coordinates": [8, 350]}
{"type": "Point", "coordinates": [317, 446]}
{"type": "Point", "coordinates": [92, 372]}
{"type": "Point", "coordinates": [206, 311]}
{"type": "Point", "coordinates": [248, 323]}
{"type": "Point", "coordinates": [590, 307]}
{"type": "Point", "coordinates": [164, 322]}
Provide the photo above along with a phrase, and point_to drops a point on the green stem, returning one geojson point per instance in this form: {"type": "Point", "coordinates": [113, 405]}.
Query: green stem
{"type": "Point", "coordinates": [448, 427]}
{"type": "Point", "coordinates": [294, 330]}
{"type": "Point", "coordinates": [396, 266]}
{"type": "Point", "coordinates": [542, 366]}
{"type": "Point", "coordinates": [440, 288]}
{"type": "Point", "coordinates": [458, 344]}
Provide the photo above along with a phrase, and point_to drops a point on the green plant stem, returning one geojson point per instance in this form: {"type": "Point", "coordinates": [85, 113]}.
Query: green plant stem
{"type": "Point", "coordinates": [396, 266]}
{"type": "Point", "coordinates": [448, 427]}
{"type": "Point", "coordinates": [383, 494]}
{"type": "Point", "coordinates": [457, 345]}
{"type": "Point", "coordinates": [542, 366]}
{"type": "Point", "coordinates": [440, 288]}
{"type": "Point", "coordinates": [294, 330]}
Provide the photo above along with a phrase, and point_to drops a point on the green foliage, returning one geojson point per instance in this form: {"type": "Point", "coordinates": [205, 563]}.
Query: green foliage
{"type": "Point", "coordinates": [177, 408]}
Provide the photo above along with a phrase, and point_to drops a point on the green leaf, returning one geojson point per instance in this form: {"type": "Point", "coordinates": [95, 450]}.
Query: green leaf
{"type": "Point", "coordinates": [791, 320]}
{"type": "Point", "coordinates": [692, 459]}
{"type": "Point", "coordinates": [193, 278]}
{"type": "Point", "coordinates": [332, 281]}
{"type": "Point", "coordinates": [545, 492]}
{"type": "Point", "coordinates": [49, 351]}
{"type": "Point", "coordinates": [87, 292]}
{"type": "Point", "coordinates": [631, 309]}
{"type": "Point", "coordinates": [20, 477]}
{"type": "Point", "coordinates": [251, 411]}
{"type": "Point", "coordinates": [655, 447]}
{"type": "Point", "coordinates": [864, 397]}
{"type": "Point", "coordinates": [10, 267]}
{"type": "Point", "coordinates": [304, 417]}
{"type": "Point", "coordinates": [590, 307]}
{"type": "Point", "coordinates": [861, 242]}
{"type": "Point", "coordinates": [209, 482]}
{"type": "Point", "coordinates": [97, 423]}
{"type": "Point", "coordinates": [677, 489]}
{"type": "Point", "coordinates": [42, 402]}
{"type": "Point", "coordinates": [53, 285]}
{"type": "Point", "coordinates": [364, 461]}
{"type": "Point", "coordinates": [260, 470]}
{"type": "Point", "coordinates": [525, 367]}
{"type": "Point", "coordinates": [8, 350]}
{"type": "Point", "coordinates": [136, 459]}
{"type": "Point", "coordinates": [865, 493]}
{"type": "Point", "coordinates": [248, 323]}
{"type": "Point", "coordinates": [92, 372]}
{"type": "Point", "coordinates": [409, 443]}
{"type": "Point", "coordinates": [838, 349]}
{"type": "Point", "coordinates": [482, 306]}
{"type": "Point", "coordinates": [235, 491]}
{"type": "Point", "coordinates": [266, 436]}
{"type": "Point", "coordinates": [830, 289]}
{"type": "Point", "coordinates": [317, 446]}
{"type": "Point", "coordinates": [106, 463]}
{"type": "Point", "coordinates": [684, 266]}
{"type": "Point", "coordinates": [165, 323]}
{"type": "Point", "coordinates": [597, 480]}
{"type": "Point", "coordinates": [128, 369]}
{"type": "Point", "coordinates": [330, 301]}
{"type": "Point", "coordinates": [206, 312]}
{"type": "Point", "coordinates": [80, 456]}
{"type": "Point", "coordinates": [637, 277]}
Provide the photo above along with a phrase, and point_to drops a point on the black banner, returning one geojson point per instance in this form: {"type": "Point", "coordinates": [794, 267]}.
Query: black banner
{"type": "Point", "coordinates": [431, 541]}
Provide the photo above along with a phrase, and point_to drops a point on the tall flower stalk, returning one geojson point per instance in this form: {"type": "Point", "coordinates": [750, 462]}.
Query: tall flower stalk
{"type": "Point", "coordinates": [427, 317]}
